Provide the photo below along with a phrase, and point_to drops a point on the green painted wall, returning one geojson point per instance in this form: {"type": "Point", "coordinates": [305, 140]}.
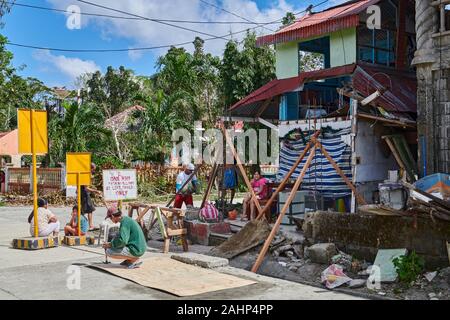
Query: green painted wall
{"type": "Point", "coordinates": [342, 52]}
{"type": "Point", "coordinates": [343, 47]}
{"type": "Point", "coordinates": [287, 60]}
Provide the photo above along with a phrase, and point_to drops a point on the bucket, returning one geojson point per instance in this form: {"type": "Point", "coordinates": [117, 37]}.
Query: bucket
{"type": "Point", "coordinates": [232, 215]}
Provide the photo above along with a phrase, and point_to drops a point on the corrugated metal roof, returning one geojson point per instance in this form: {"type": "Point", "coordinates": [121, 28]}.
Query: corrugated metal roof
{"type": "Point", "coordinates": [315, 24]}
{"type": "Point", "coordinates": [278, 87]}
{"type": "Point", "coordinates": [399, 88]}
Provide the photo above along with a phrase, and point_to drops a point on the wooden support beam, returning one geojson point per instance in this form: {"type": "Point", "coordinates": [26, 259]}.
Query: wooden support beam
{"type": "Point", "coordinates": [288, 176]}
{"type": "Point", "coordinates": [286, 206]}
{"type": "Point", "coordinates": [210, 185]}
{"type": "Point", "coordinates": [409, 124]}
{"type": "Point", "coordinates": [241, 168]}
{"type": "Point", "coordinates": [360, 199]}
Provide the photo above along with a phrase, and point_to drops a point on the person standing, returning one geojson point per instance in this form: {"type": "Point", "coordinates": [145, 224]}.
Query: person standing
{"type": "Point", "coordinates": [87, 205]}
{"type": "Point", "coordinates": [184, 195]}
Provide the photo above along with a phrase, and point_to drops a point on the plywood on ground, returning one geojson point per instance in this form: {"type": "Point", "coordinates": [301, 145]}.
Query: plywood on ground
{"type": "Point", "coordinates": [252, 235]}
{"type": "Point", "coordinates": [174, 277]}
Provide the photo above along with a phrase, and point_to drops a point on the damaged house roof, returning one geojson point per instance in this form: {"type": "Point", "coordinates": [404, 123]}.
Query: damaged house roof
{"type": "Point", "coordinates": [398, 89]}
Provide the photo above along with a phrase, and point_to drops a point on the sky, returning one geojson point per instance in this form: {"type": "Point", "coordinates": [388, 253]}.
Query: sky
{"type": "Point", "coordinates": [42, 28]}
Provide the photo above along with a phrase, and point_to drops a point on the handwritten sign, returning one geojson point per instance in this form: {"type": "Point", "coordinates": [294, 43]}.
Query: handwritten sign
{"type": "Point", "coordinates": [119, 185]}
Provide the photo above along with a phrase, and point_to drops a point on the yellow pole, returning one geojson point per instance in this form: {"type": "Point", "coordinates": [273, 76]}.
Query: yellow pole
{"type": "Point", "coordinates": [79, 203]}
{"type": "Point", "coordinates": [120, 205]}
{"type": "Point", "coordinates": [35, 194]}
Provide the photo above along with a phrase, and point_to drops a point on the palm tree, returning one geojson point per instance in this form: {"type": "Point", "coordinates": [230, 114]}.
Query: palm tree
{"type": "Point", "coordinates": [156, 124]}
{"type": "Point", "coordinates": [79, 130]}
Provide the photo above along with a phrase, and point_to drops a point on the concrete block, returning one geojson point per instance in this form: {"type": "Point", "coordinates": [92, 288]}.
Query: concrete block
{"type": "Point", "coordinates": [321, 252]}
{"type": "Point", "coordinates": [74, 241]}
{"type": "Point", "coordinates": [36, 243]}
{"type": "Point", "coordinates": [200, 260]}
{"type": "Point", "coordinates": [199, 232]}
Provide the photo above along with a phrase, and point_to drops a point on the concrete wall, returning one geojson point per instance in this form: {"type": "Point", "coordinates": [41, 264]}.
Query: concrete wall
{"type": "Point", "coordinates": [343, 47]}
{"type": "Point", "coordinates": [287, 60]}
{"type": "Point", "coordinates": [363, 235]}
{"type": "Point", "coordinates": [373, 164]}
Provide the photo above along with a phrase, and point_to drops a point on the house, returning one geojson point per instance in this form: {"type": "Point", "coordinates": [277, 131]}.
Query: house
{"type": "Point", "coordinates": [357, 84]}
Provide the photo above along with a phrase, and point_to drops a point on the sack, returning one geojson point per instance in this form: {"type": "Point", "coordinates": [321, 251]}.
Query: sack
{"type": "Point", "coordinates": [209, 213]}
{"type": "Point", "coordinates": [334, 277]}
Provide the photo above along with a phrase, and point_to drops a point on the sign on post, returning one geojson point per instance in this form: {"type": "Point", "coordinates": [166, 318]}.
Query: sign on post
{"type": "Point", "coordinates": [33, 140]}
{"type": "Point", "coordinates": [119, 185]}
{"type": "Point", "coordinates": [78, 173]}
{"type": "Point", "coordinates": [39, 128]}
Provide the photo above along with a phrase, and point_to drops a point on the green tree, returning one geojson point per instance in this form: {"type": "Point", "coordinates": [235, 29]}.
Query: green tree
{"type": "Point", "coordinates": [113, 92]}
{"type": "Point", "coordinates": [79, 130]}
{"type": "Point", "coordinates": [156, 124]}
{"type": "Point", "coordinates": [15, 91]}
{"type": "Point", "coordinates": [243, 71]}
{"type": "Point", "coordinates": [288, 19]}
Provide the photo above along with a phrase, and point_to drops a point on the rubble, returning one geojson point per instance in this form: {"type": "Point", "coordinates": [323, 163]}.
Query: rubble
{"type": "Point", "coordinates": [321, 252]}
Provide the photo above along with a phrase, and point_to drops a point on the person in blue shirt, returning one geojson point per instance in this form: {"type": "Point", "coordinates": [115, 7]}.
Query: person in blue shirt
{"type": "Point", "coordinates": [71, 228]}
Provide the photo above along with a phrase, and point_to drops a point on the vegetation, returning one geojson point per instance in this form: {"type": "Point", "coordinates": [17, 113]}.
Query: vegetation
{"type": "Point", "coordinates": [409, 267]}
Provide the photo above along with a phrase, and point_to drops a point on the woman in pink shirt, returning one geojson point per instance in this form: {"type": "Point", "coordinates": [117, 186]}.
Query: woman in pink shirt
{"type": "Point", "coordinates": [259, 185]}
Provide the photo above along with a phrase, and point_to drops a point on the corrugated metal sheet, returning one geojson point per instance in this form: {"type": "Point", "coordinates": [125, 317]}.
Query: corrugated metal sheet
{"type": "Point", "coordinates": [331, 20]}
{"type": "Point", "coordinates": [400, 88]}
{"type": "Point", "coordinates": [401, 94]}
{"type": "Point", "coordinates": [278, 87]}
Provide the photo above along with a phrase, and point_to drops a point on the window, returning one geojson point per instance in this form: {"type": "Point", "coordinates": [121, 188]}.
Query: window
{"type": "Point", "coordinates": [314, 54]}
{"type": "Point", "coordinates": [311, 61]}
{"type": "Point", "coordinates": [377, 46]}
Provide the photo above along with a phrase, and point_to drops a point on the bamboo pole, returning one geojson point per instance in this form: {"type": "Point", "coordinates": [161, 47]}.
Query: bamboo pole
{"type": "Point", "coordinates": [210, 185]}
{"type": "Point", "coordinates": [360, 199]}
{"type": "Point", "coordinates": [275, 228]}
{"type": "Point", "coordinates": [287, 177]}
{"type": "Point", "coordinates": [241, 168]}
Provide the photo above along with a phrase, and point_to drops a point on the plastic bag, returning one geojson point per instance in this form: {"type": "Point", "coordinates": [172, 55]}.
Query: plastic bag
{"type": "Point", "coordinates": [334, 277]}
{"type": "Point", "coordinates": [209, 213]}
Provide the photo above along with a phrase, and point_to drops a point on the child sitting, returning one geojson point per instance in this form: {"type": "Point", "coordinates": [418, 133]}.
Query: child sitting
{"type": "Point", "coordinates": [71, 228]}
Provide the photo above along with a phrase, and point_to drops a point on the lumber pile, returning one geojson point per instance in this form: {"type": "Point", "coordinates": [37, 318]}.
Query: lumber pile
{"type": "Point", "coordinates": [426, 205]}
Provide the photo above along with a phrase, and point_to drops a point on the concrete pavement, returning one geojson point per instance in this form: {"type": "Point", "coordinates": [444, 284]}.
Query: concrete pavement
{"type": "Point", "coordinates": [44, 274]}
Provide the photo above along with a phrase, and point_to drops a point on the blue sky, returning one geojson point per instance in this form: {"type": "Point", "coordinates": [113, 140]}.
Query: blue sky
{"type": "Point", "coordinates": [48, 29]}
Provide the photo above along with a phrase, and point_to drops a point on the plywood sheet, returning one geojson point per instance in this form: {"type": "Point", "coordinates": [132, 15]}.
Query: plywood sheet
{"type": "Point", "coordinates": [177, 278]}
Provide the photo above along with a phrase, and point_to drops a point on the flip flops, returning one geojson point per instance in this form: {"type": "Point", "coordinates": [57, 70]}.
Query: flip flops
{"type": "Point", "coordinates": [135, 265]}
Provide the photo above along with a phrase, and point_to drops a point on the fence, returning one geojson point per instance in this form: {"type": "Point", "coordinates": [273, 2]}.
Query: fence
{"type": "Point", "coordinates": [19, 180]}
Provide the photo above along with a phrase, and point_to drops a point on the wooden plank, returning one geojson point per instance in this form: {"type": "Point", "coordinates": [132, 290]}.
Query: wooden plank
{"type": "Point", "coordinates": [241, 168]}
{"type": "Point", "coordinates": [275, 228]}
{"type": "Point", "coordinates": [287, 177]}
{"type": "Point", "coordinates": [395, 153]}
{"type": "Point", "coordinates": [176, 232]}
{"type": "Point", "coordinates": [409, 124]}
{"type": "Point", "coordinates": [343, 176]}
{"type": "Point", "coordinates": [210, 185]}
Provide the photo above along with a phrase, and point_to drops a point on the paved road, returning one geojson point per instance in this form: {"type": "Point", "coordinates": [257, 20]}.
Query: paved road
{"type": "Point", "coordinates": [43, 274]}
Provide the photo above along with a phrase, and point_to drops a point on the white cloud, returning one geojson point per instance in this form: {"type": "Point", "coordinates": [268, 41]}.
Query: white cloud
{"type": "Point", "coordinates": [70, 67]}
{"type": "Point", "coordinates": [147, 33]}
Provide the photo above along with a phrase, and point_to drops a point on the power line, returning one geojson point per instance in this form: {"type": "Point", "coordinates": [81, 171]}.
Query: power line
{"type": "Point", "coordinates": [126, 18]}
{"type": "Point", "coordinates": [234, 14]}
{"type": "Point", "coordinates": [148, 48]}
{"type": "Point", "coordinates": [149, 19]}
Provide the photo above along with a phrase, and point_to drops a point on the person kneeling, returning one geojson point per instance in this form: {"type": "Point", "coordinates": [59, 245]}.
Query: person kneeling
{"type": "Point", "coordinates": [129, 244]}
{"type": "Point", "coordinates": [71, 228]}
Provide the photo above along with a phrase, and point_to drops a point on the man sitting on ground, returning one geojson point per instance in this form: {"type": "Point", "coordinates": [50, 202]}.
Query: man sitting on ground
{"type": "Point", "coordinates": [71, 228]}
{"type": "Point", "coordinates": [129, 245]}
{"type": "Point", "coordinates": [48, 223]}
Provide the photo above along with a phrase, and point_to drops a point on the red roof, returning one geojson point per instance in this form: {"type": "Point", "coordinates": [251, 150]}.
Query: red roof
{"type": "Point", "coordinates": [315, 24]}
{"type": "Point", "coordinates": [399, 88]}
{"type": "Point", "coordinates": [278, 87]}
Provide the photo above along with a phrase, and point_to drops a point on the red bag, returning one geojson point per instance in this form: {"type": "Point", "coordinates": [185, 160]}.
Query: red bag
{"type": "Point", "coordinates": [209, 213]}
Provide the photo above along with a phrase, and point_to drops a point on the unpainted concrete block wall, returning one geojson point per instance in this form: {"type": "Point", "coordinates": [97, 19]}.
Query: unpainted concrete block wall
{"type": "Point", "coordinates": [363, 235]}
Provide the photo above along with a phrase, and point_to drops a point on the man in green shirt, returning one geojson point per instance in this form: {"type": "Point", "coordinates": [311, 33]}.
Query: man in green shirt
{"type": "Point", "coordinates": [130, 243]}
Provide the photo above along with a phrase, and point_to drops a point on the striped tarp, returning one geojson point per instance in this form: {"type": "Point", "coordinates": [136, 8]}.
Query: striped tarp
{"type": "Point", "coordinates": [321, 175]}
